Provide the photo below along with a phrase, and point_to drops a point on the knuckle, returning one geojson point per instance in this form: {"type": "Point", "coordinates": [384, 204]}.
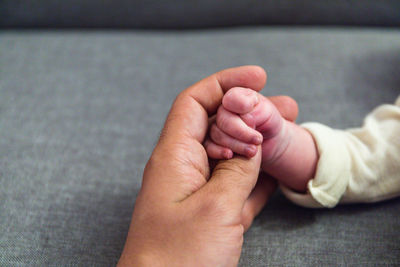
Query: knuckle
{"type": "Point", "coordinates": [242, 134]}
{"type": "Point", "coordinates": [237, 167]}
{"type": "Point", "coordinates": [216, 205]}
{"type": "Point", "coordinates": [242, 105]}
{"type": "Point", "coordinates": [222, 120]}
{"type": "Point", "coordinates": [239, 147]}
{"type": "Point", "coordinates": [242, 169]}
{"type": "Point", "coordinates": [237, 100]}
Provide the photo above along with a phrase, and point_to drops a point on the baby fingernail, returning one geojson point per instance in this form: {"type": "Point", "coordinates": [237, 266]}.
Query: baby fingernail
{"type": "Point", "coordinates": [227, 154]}
{"type": "Point", "coordinates": [257, 140]}
{"type": "Point", "coordinates": [251, 150]}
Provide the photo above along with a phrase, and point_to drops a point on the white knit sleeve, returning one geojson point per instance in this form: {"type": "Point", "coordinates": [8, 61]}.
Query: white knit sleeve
{"type": "Point", "coordinates": [355, 165]}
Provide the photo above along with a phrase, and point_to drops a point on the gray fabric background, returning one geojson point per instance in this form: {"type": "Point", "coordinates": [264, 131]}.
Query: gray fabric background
{"type": "Point", "coordinates": [196, 13]}
{"type": "Point", "coordinates": [80, 113]}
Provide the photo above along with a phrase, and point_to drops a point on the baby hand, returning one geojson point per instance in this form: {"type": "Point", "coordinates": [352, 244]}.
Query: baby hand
{"type": "Point", "coordinates": [247, 119]}
{"type": "Point", "coordinates": [234, 130]}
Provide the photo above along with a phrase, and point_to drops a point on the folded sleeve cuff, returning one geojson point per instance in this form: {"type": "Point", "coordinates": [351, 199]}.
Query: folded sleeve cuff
{"type": "Point", "coordinates": [333, 170]}
{"type": "Point", "coordinates": [304, 200]}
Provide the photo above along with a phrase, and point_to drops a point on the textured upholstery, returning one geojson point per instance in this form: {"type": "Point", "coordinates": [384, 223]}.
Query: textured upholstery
{"type": "Point", "coordinates": [80, 113]}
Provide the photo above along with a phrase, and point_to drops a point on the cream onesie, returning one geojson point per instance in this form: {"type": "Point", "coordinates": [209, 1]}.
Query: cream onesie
{"type": "Point", "coordinates": [355, 165]}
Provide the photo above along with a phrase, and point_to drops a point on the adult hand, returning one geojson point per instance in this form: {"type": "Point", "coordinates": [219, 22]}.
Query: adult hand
{"type": "Point", "coordinates": [185, 215]}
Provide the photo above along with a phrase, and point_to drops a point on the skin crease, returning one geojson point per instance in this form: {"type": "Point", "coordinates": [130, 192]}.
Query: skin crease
{"type": "Point", "coordinates": [289, 152]}
{"type": "Point", "coordinates": [186, 214]}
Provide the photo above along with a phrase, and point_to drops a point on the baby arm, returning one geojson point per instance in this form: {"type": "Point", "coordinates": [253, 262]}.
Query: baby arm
{"type": "Point", "coordinates": [246, 119]}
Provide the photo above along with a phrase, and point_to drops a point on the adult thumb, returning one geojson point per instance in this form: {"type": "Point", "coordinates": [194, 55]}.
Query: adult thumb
{"type": "Point", "coordinates": [233, 180]}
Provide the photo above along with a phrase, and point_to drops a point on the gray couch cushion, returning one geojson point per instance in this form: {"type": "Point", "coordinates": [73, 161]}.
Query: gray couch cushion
{"type": "Point", "coordinates": [196, 13]}
{"type": "Point", "coordinates": [80, 113]}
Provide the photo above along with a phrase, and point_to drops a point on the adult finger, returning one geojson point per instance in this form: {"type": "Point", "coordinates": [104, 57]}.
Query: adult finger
{"type": "Point", "coordinates": [264, 188]}
{"type": "Point", "coordinates": [287, 106]}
